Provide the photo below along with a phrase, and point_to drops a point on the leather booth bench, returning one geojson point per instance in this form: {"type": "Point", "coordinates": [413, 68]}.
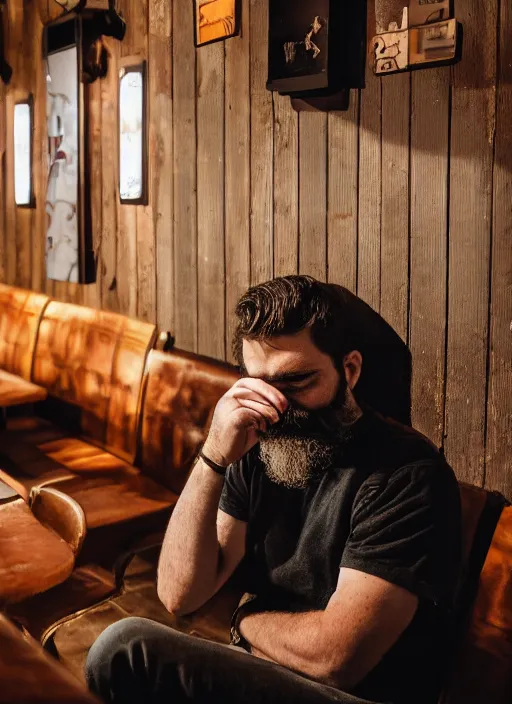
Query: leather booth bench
{"type": "Point", "coordinates": [142, 416]}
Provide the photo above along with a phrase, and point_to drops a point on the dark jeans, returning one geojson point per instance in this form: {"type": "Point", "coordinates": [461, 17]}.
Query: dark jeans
{"type": "Point", "coordinates": [142, 662]}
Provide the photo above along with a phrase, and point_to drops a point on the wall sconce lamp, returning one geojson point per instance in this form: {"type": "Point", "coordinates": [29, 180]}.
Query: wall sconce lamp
{"type": "Point", "coordinates": [133, 156]}
{"type": "Point", "coordinates": [23, 121]}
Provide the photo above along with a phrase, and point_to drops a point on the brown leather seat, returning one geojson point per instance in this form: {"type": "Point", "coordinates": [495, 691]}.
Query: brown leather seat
{"type": "Point", "coordinates": [95, 361]}
{"type": "Point", "coordinates": [483, 665]}
{"type": "Point", "coordinates": [35, 555]}
{"type": "Point", "coordinates": [20, 315]}
{"type": "Point", "coordinates": [181, 391]}
{"type": "Point", "coordinates": [28, 675]}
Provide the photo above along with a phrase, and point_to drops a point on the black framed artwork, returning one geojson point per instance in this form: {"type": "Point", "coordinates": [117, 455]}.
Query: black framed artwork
{"type": "Point", "coordinates": [69, 255]}
{"type": "Point", "coordinates": [316, 47]}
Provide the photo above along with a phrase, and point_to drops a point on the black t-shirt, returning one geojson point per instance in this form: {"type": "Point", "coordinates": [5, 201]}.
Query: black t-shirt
{"type": "Point", "coordinates": [389, 507]}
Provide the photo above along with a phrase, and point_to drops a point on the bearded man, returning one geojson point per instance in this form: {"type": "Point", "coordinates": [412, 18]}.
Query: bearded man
{"type": "Point", "coordinates": [348, 525]}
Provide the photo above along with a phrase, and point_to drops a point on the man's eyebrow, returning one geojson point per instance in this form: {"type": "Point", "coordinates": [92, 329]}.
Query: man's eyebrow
{"type": "Point", "coordinates": [289, 376]}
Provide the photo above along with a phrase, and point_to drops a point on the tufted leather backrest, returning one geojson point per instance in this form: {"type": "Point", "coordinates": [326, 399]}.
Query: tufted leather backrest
{"type": "Point", "coordinates": [482, 670]}
{"type": "Point", "coordinates": [181, 393]}
{"type": "Point", "coordinates": [95, 360]}
{"type": "Point", "coordinates": [20, 313]}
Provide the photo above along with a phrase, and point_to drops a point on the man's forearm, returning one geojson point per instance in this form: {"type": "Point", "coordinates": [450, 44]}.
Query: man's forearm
{"type": "Point", "coordinates": [296, 641]}
{"type": "Point", "coordinates": [191, 546]}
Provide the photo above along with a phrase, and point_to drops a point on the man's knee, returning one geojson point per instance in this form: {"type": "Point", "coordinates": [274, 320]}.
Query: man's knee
{"type": "Point", "coordinates": [117, 642]}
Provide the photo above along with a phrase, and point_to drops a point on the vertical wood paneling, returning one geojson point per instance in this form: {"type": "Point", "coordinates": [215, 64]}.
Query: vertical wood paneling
{"type": "Point", "coordinates": [472, 127]}
{"type": "Point", "coordinates": [146, 248]}
{"type": "Point", "coordinates": [394, 264]}
{"type": "Point", "coordinates": [499, 411]}
{"type": "Point", "coordinates": [286, 187]}
{"type": "Point", "coordinates": [369, 207]}
{"type": "Point", "coordinates": [238, 181]}
{"type": "Point", "coordinates": [185, 179]}
{"type": "Point", "coordinates": [210, 200]}
{"type": "Point", "coordinates": [262, 147]}
{"type": "Point", "coordinates": [127, 265]}
{"type": "Point", "coordinates": [429, 202]}
{"type": "Point", "coordinates": [160, 155]}
{"type": "Point", "coordinates": [13, 15]}
{"type": "Point", "coordinates": [24, 68]}
{"type": "Point", "coordinates": [39, 170]}
{"type": "Point", "coordinates": [110, 233]}
{"type": "Point", "coordinates": [313, 194]}
{"type": "Point", "coordinates": [343, 156]}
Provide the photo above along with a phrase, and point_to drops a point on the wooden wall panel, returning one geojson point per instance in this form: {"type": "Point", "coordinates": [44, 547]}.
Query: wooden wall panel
{"type": "Point", "coordinates": [146, 262]}
{"type": "Point", "coordinates": [499, 412]}
{"type": "Point", "coordinates": [185, 177]}
{"type": "Point", "coordinates": [286, 188]}
{"type": "Point", "coordinates": [107, 274]}
{"type": "Point", "coordinates": [262, 148]}
{"type": "Point", "coordinates": [429, 203]}
{"type": "Point", "coordinates": [313, 194]}
{"type": "Point", "coordinates": [39, 170]}
{"type": "Point", "coordinates": [342, 201]}
{"type": "Point", "coordinates": [161, 157]}
{"type": "Point", "coordinates": [133, 44]}
{"type": "Point", "coordinates": [210, 201]}
{"type": "Point", "coordinates": [370, 184]}
{"type": "Point", "coordinates": [394, 255]}
{"type": "Point", "coordinates": [472, 129]}
{"type": "Point", "coordinates": [404, 198]}
{"type": "Point", "coordinates": [238, 181]}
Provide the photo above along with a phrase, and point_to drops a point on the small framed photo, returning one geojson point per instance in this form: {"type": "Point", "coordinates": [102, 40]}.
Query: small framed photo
{"type": "Point", "coordinates": [216, 20]}
{"type": "Point", "coordinates": [23, 145]}
{"type": "Point", "coordinates": [133, 151]}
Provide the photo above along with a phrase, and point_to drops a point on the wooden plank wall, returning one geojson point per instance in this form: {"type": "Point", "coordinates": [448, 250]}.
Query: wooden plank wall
{"type": "Point", "coordinates": [405, 199]}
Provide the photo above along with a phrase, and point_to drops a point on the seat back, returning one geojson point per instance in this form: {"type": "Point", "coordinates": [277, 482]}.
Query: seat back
{"type": "Point", "coordinates": [181, 392]}
{"type": "Point", "coordinates": [20, 313]}
{"type": "Point", "coordinates": [95, 360]}
{"type": "Point", "coordinates": [60, 513]}
{"type": "Point", "coordinates": [482, 670]}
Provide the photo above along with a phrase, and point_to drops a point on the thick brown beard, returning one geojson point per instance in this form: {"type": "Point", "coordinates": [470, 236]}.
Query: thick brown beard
{"type": "Point", "coordinates": [304, 443]}
{"type": "Point", "coordinates": [293, 461]}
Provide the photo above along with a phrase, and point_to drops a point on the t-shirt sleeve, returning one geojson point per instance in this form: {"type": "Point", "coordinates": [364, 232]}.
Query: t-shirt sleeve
{"type": "Point", "coordinates": [234, 499]}
{"type": "Point", "coordinates": [405, 529]}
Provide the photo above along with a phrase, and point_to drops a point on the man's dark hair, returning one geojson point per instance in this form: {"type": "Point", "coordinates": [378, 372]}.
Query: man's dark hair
{"type": "Point", "coordinates": [339, 322]}
{"type": "Point", "coordinates": [286, 306]}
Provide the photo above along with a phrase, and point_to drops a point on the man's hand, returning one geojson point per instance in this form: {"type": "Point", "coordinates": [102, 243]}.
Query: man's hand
{"type": "Point", "coordinates": [244, 410]}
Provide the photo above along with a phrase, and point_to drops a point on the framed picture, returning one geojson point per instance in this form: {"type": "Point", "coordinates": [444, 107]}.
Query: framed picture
{"type": "Point", "coordinates": [133, 132]}
{"type": "Point", "coordinates": [68, 233]}
{"type": "Point", "coordinates": [216, 20]}
{"type": "Point", "coordinates": [316, 47]}
{"type": "Point", "coordinates": [23, 142]}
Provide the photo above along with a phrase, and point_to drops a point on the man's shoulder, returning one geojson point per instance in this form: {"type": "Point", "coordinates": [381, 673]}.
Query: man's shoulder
{"type": "Point", "coordinates": [396, 445]}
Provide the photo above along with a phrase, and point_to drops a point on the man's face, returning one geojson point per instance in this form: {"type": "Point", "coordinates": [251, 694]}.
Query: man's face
{"type": "Point", "coordinates": [321, 406]}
